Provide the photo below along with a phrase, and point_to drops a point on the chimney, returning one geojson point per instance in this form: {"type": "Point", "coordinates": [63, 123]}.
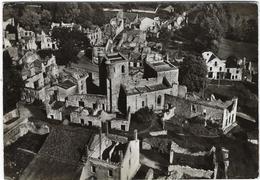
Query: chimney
{"type": "Point", "coordinates": [100, 143]}
{"type": "Point", "coordinates": [107, 130]}
{"type": "Point", "coordinates": [135, 135]}
{"type": "Point", "coordinates": [171, 154]}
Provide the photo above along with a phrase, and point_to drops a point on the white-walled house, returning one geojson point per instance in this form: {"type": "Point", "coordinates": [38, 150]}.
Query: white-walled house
{"type": "Point", "coordinates": [222, 69]}
{"type": "Point", "coordinates": [216, 66]}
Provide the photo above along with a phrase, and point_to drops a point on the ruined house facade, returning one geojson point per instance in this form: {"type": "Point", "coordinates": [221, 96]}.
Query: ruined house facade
{"type": "Point", "coordinates": [37, 75]}
{"type": "Point", "coordinates": [221, 113]}
{"type": "Point", "coordinates": [112, 159]}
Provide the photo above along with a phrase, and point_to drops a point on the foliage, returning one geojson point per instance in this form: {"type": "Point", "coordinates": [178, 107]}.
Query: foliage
{"type": "Point", "coordinates": [70, 43]}
{"type": "Point", "coordinates": [66, 12]}
{"type": "Point", "coordinates": [46, 18]}
{"type": "Point", "coordinates": [206, 26]}
{"type": "Point", "coordinates": [30, 19]}
{"type": "Point", "coordinates": [12, 83]}
{"type": "Point", "coordinates": [144, 115]}
{"type": "Point", "coordinates": [192, 73]}
{"type": "Point", "coordinates": [165, 37]}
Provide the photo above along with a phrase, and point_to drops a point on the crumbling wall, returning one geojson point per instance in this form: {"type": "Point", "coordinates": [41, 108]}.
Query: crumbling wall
{"type": "Point", "coordinates": [101, 169]}
{"type": "Point", "coordinates": [84, 119]}
{"type": "Point", "coordinates": [120, 124]}
{"type": "Point", "coordinates": [89, 100]}
{"type": "Point", "coordinates": [10, 115]}
{"type": "Point", "coordinates": [190, 109]}
{"type": "Point", "coordinates": [179, 171]}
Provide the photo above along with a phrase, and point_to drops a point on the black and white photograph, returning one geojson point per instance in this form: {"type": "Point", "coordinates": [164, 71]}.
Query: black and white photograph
{"type": "Point", "coordinates": [130, 90]}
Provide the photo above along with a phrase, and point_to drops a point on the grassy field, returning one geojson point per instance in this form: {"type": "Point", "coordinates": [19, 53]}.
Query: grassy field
{"type": "Point", "coordinates": [239, 49]}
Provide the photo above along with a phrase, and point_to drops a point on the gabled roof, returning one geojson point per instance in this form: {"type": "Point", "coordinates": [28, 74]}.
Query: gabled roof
{"type": "Point", "coordinates": [66, 84]}
{"type": "Point", "coordinates": [60, 155]}
{"type": "Point", "coordinates": [212, 57]}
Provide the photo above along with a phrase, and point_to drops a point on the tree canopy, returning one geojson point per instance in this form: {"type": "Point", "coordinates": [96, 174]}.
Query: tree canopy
{"type": "Point", "coordinates": [192, 73]}
{"type": "Point", "coordinates": [70, 43]}
{"type": "Point", "coordinates": [12, 83]}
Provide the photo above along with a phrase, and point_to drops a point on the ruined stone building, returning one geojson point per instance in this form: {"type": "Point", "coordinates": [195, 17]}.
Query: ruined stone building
{"type": "Point", "coordinates": [95, 35]}
{"type": "Point", "coordinates": [77, 153]}
{"type": "Point", "coordinates": [44, 41]}
{"type": "Point", "coordinates": [223, 114]}
{"type": "Point", "coordinates": [37, 75]}
{"type": "Point", "coordinates": [112, 158]}
{"type": "Point", "coordinates": [26, 38]}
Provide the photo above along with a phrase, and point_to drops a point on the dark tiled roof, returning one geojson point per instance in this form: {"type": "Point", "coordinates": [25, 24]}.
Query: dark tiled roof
{"type": "Point", "coordinates": [145, 89]}
{"type": "Point", "coordinates": [66, 84]}
{"type": "Point", "coordinates": [58, 105]}
{"type": "Point", "coordinates": [66, 144]}
{"type": "Point", "coordinates": [47, 168]}
{"type": "Point", "coordinates": [212, 57]}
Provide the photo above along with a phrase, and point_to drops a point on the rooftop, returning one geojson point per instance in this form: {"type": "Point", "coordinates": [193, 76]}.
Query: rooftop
{"type": "Point", "coordinates": [60, 155]}
{"type": "Point", "coordinates": [162, 66]}
{"type": "Point", "coordinates": [65, 143]}
{"type": "Point", "coordinates": [58, 105]}
{"type": "Point", "coordinates": [115, 157]}
{"type": "Point", "coordinates": [66, 84]}
{"type": "Point", "coordinates": [146, 89]}
{"type": "Point", "coordinates": [114, 57]}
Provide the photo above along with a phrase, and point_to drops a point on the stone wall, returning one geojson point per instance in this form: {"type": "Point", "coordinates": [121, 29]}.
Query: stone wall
{"type": "Point", "coordinates": [101, 169]}
{"type": "Point", "coordinates": [131, 161]}
{"type": "Point", "coordinates": [90, 100]}
{"type": "Point", "coordinates": [63, 93]}
{"type": "Point", "coordinates": [38, 77]}
{"type": "Point", "coordinates": [10, 115]}
{"type": "Point", "coordinates": [85, 119]}
{"type": "Point", "coordinates": [189, 109]}
{"type": "Point", "coordinates": [138, 101]}
{"type": "Point", "coordinates": [120, 124]}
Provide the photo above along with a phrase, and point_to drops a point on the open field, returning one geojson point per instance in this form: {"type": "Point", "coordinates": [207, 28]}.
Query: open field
{"type": "Point", "coordinates": [239, 49]}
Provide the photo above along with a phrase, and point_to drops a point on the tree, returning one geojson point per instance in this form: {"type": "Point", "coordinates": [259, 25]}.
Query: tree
{"type": "Point", "coordinates": [30, 20]}
{"type": "Point", "coordinates": [144, 115]}
{"type": "Point", "coordinates": [99, 17]}
{"type": "Point", "coordinates": [70, 43]}
{"type": "Point", "coordinates": [207, 24]}
{"type": "Point", "coordinates": [46, 18]}
{"type": "Point", "coordinates": [66, 12]}
{"type": "Point", "coordinates": [165, 37]}
{"type": "Point", "coordinates": [12, 83]}
{"type": "Point", "coordinates": [9, 12]}
{"type": "Point", "coordinates": [193, 71]}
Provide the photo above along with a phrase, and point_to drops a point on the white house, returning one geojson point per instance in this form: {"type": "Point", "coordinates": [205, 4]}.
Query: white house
{"type": "Point", "coordinates": [230, 69]}
{"type": "Point", "coordinates": [216, 67]}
